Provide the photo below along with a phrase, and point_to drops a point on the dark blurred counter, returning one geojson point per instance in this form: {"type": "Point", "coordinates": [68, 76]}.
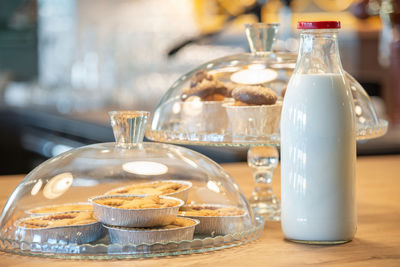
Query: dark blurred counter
{"type": "Point", "coordinates": [29, 136]}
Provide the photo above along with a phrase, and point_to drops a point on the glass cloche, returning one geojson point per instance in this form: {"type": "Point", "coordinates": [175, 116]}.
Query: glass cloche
{"type": "Point", "coordinates": [126, 199]}
{"type": "Point", "coordinates": [236, 100]}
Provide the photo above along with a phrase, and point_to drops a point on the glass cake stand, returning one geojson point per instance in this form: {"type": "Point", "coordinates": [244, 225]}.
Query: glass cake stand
{"type": "Point", "coordinates": [82, 173]}
{"type": "Point", "coordinates": [184, 116]}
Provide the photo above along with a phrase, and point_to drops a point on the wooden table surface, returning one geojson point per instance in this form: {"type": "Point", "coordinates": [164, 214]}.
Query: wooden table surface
{"type": "Point", "coordinates": [377, 242]}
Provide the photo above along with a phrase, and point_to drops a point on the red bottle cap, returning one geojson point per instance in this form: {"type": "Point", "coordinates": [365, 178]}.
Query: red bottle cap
{"type": "Point", "coordinates": [318, 25]}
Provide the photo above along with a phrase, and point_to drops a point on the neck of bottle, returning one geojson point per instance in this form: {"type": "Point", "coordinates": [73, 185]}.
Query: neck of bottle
{"type": "Point", "coordinates": [319, 52]}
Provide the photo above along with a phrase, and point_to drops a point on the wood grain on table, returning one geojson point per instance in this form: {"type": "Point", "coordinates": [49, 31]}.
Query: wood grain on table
{"type": "Point", "coordinates": [377, 242]}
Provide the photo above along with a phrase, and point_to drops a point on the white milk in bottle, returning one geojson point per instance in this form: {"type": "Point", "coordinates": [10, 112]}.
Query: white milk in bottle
{"type": "Point", "coordinates": [318, 143]}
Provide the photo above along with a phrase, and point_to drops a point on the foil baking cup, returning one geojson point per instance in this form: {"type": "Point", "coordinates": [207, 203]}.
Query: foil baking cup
{"type": "Point", "coordinates": [218, 225]}
{"type": "Point", "coordinates": [181, 194]}
{"type": "Point", "coordinates": [30, 212]}
{"type": "Point", "coordinates": [73, 234]}
{"type": "Point", "coordinates": [135, 217]}
{"type": "Point", "coordinates": [124, 235]}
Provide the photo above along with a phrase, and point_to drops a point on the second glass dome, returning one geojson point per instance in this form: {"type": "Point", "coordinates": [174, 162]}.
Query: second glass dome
{"type": "Point", "coordinates": [218, 102]}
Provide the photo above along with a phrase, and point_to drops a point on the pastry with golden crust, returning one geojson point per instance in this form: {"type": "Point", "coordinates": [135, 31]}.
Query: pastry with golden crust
{"type": "Point", "coordinates": [148, 202]}
{"type": "Point", "coordinates": [178, 223]}
{"type": "Point", "coordinates": [136, 211]}
{"type": "Point", "coordinates": [176, 230]}
{"type": "Point", "coordinates": [215, 219]}
{"type": "Point", "coordinates": [59, 220]}
{"type": "Point", "coordinates": [154, 188]}
{"type": "Point", "coordinates": [70, 227]}
{"type": "Point", "coordinates": [209, 211]}
{"type": "Point", "coordinates": [61, 208]}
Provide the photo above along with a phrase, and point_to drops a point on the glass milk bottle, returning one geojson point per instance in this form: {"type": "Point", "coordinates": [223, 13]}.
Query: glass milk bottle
{"type": "Point", "coordinates": [318, 143]}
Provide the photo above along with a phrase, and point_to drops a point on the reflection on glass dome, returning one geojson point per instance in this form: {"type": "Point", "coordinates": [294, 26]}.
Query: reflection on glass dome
{"type": "Point", "coordinates": [48, 212]}
{"type": "Point", "coordinates": [145, 168]}
{"type": "Point", "coordinates": [58, 185]}
{"type": "Point", "coordinates": [36, 187]}
{"type": "Point", "coordinates": [254, 75]}
{"type": "Point", "coordinates": [205, 106]}
{"type": "Point", "coordinates": [368, 124]}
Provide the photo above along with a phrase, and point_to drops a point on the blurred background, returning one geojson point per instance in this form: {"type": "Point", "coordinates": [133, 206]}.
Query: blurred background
{"type": "Point", "coordinates": [65, 63]}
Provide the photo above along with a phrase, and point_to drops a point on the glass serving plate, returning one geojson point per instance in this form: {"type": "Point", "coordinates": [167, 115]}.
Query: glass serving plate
{"type": "Point", "coordinates": [102, 249]}
{"type": "Point", "coordinates": [186, 115]}
{"type": "Point", "coordinates": [80, 174]}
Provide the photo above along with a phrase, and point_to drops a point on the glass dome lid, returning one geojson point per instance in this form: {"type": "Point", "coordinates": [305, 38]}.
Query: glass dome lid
{"type": "Point", "coordinates": [126, 199]}
{"type": "Point", "coordinates": [236, 100]}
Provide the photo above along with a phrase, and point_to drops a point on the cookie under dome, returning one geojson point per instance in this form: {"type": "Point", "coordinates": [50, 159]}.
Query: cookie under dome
{"type": "Point", "coordinates": [80, 174]}
{"type": "Point", "coordinates": [200, 120]}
